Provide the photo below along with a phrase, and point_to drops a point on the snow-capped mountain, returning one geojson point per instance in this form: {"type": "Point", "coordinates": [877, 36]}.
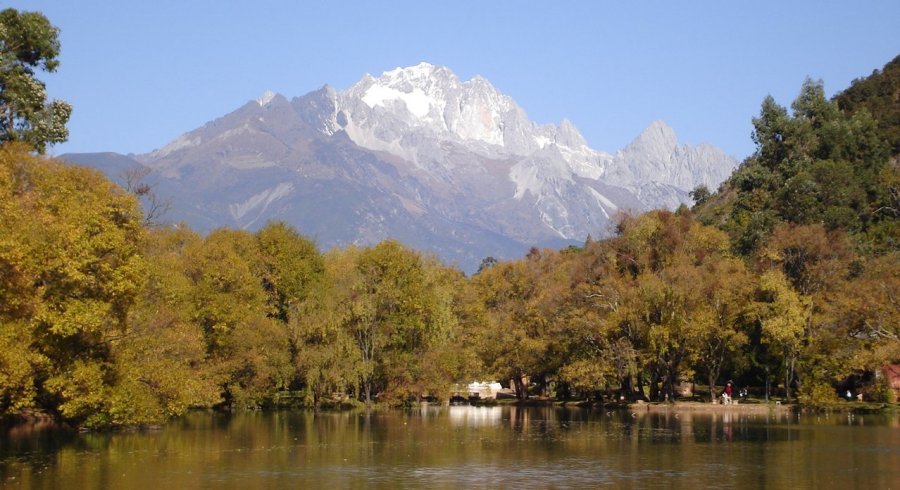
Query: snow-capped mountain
{"type": "Point", "coordinates": [451, 166]}
{"type": "Point", "coordinates": [431, 101]}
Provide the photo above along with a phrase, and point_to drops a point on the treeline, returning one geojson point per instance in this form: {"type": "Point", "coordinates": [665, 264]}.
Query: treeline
{"type": "Point", "coordinates": [108, 322]}
{"type": "Point", "coordinates": [788, 274]}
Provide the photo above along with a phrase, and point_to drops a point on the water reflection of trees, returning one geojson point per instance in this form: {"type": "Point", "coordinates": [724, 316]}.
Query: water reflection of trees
{"type": "Point", "coordinates": [465, 445]}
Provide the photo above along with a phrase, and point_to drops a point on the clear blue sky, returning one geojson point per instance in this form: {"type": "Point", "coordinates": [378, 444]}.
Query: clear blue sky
{"type": "Point", "coordinates": [140, 73]}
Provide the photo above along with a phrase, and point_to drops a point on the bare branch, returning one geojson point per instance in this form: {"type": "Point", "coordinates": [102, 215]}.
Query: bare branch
{"type": "Point", "coordinates": [154, 206]}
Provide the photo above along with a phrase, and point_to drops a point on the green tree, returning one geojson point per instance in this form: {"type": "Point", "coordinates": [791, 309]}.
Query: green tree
{"type": "Point", "coordinates": [877, 94]}
{"type": "Point", "coordinates": [813, 165]}
{"type": "Point", "coordinates": [700, 194]}
{"type": "Point", "coordinates": [28, 42]}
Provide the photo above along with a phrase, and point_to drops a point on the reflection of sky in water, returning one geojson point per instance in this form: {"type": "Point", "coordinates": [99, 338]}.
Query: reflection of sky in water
{"type": "Point", "coordinates": [475, 416]}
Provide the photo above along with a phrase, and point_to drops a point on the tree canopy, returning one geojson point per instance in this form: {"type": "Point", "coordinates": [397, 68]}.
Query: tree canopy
{"type": "Point", "coordinates": [815, 164]}
{"type": "Point", "coordinates": [28, 43]}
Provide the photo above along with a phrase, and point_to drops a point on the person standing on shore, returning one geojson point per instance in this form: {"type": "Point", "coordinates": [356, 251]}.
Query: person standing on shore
{"type": "Point", "coordinates": [726, 396]}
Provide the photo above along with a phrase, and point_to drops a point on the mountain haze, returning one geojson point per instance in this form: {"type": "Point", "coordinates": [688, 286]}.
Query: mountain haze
{"type": "Point", "coordinates": [448, 166]}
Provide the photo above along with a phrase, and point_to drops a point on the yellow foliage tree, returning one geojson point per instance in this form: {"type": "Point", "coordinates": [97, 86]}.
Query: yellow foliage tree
{"type": "Point", "coordinates": [69, 253]}
{"type": "Point", "coordinates": [784, 315]}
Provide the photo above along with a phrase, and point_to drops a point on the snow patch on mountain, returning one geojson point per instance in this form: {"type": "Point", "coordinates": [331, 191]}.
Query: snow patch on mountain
{"type": "Point", "coordinates": [605, 204]}
{"type": "Point", "coordinates": [416, 102]}
{"type": "Point", "coordinates": [426, 115]}
{"type": "Point", "coordinates": [434, 102]}
{"type": "Point", "coordinates": [258, 203]}
{"type": "Point", "coordinates": [186, 140]}
{"type": "Point", "coordinates": [265, 98]}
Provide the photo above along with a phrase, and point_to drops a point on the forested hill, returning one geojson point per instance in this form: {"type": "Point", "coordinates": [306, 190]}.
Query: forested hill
{"type": "Point", "coordinates": [879, 94]}
{"type": "Point", "coordinates": [826, 162]}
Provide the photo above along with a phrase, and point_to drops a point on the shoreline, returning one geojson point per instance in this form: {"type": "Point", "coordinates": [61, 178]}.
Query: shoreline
{"type": "Point", "coordinates": [758, 408]}
{"type": "Point", "coordinates": [661, 407]}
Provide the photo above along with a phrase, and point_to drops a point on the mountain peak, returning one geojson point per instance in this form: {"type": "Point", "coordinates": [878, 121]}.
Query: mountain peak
{"type": "Point", "coordinates": [658, 139]}
{"type": "Point", "coordinates": [660, 131]}
{"type": "Point", "coordinates": [423, 75]}
{"type": "Point", "coordinates": [433, 98]}
{"type": "Point", "coordinates": [569, 135]}
{"type": "Point", "coordinates": [423, 69]}
{"type": "Point", "coordinates": [265, 98]}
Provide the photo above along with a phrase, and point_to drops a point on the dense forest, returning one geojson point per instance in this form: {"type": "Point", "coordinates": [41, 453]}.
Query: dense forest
{"type": "Point", "coordinates": [787, 275]}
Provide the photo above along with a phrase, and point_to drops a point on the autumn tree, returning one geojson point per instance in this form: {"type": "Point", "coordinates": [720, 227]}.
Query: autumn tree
{"type": "Point", "coordinates": [136, 180]}
{"type": "Point", "coordinates": [161, 366]}
{"type": "Point", "coordinates": [816, 263]}
{"type": "Point", "coordinates": [868, 312]}
{"type": "Point", "coordinates": [397, 306]}
{"type": "Point", "coordinates": [727, 286]}
{"type": "Point", "coordinates": [69, 252]}
{"type": "Point", "coordinates": [513, 342]}
{"type": "Point", "coordinates": [228, 301]}
{"type": "Point", "coordinates": [291, 268]}
{"type": "Point", "coordinates": [671, 301]}
{"type": "Point", "coordinates": [784, 317]}
{"type": "Point", "coordinates": [327, 358]}
{"type": "Point", "coordinates": [446, 357]}
{"type": "Point", "coordinates": [600, 351]}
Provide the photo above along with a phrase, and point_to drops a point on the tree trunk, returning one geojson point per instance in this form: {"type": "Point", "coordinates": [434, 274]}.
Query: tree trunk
{"type": "Point", "coordinates": [788, 377]}
{"type": "Point", "coordinates": [521, 394]}
{"type": "Point", "coordinates": [542, 387]}
{"type": "Point", "coordinates": [669, 387]}
{"type": "Point", "coordinates": [787, 384]}
{"type": "Point", "coordinates": [626, 388]}
{"type": "Point", "coordinates": [673, 367]}
{"type": "Point", "coordinates": [654, 383]}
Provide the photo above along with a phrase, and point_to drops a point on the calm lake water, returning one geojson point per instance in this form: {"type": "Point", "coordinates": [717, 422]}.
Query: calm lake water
{"type": "Point", "coordinates": [465, 447]}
